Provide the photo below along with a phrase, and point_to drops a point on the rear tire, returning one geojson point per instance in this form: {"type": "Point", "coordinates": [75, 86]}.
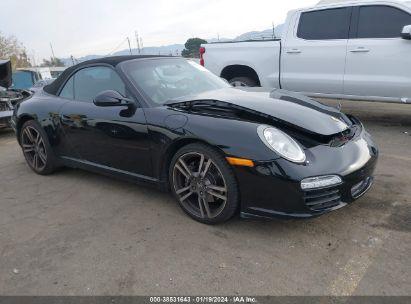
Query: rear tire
{"type": "Point", "coordinates": [204, 184]}
{"type": "Point", "coordinates": [243, 82]}
{"type": "Point", "coordinates": [36, 148]}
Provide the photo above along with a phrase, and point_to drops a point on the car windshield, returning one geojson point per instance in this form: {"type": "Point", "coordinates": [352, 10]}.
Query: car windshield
{"type": "Point", "coordinates": [163, 80]}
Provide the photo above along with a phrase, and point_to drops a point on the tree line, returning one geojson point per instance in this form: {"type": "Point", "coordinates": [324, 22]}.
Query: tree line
{"type": "Point", "coordinates": [192, 48]}
{"type": "Point", "coordinates": [11, 48]}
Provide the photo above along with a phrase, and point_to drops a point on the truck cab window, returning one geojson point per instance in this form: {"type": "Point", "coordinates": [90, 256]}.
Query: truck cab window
{"type": "Point", "coordinates": [325, 24]}
{"type": "Point", "coordinates": [380, 21]}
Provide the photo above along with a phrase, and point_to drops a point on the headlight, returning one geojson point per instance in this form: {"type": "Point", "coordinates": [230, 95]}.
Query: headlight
{"type": "Point", "coordinates": [281, 143]}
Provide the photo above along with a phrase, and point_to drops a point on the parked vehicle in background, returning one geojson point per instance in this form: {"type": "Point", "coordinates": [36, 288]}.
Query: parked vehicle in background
{"type": "Point", "coordinates": [24, 79]}
{"type": "Point", "coordinates": [41, 83]}
{"type": "Point", "coordinates": [8, 97]}
{"type": "Point", "coordinates": [353, 50]}
{"type": "Point", "coordinates": [44, 72]}
{"type": "Point", "coordinates": [56, 71]}
{"type": "Point", "coordinates": [33, 77]}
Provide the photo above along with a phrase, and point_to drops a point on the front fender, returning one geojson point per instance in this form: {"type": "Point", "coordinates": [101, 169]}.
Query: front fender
{"type": "Point", "coordinates": [234, 137]}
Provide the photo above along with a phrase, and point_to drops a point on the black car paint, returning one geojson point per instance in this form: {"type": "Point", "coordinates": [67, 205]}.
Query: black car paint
{"type": "Point", "coordinates": [313, 116]}
{"type": "Point", "coordinates": [137, 143]}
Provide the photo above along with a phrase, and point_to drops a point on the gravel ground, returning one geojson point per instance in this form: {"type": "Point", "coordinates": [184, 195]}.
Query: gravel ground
{"type": "Point", "coordinates": [78, 233]}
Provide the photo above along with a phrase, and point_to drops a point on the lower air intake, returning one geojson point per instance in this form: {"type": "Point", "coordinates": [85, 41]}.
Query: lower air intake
{"type": "Point", "coordinates": [322, 199]}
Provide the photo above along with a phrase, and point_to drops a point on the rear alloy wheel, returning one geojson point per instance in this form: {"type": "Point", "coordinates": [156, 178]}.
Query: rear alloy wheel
{"type": "Point", "coordinates": [36, 148]}
{"type": "Point", "coordinates": [204, 184]}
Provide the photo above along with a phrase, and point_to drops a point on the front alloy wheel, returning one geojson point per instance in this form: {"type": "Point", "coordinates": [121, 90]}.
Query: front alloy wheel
{"type": "Point", "coordinates": [204, 184]}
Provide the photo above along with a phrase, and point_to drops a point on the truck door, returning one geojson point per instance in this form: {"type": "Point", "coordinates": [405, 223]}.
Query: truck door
{"type": "Point", "coordinates": [313, 57]}
{"type": "Point", "coordinates": [378, 59]}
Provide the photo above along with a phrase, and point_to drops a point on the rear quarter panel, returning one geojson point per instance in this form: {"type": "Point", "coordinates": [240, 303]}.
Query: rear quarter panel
{"type": "Point", "coordinates": [263, 57]}
{"type": "Point", "coordinates": [43, 108]}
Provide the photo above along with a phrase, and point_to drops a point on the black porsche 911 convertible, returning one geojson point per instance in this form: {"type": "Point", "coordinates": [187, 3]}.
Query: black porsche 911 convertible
{"type": "Point", "coordinates": [170, 122]}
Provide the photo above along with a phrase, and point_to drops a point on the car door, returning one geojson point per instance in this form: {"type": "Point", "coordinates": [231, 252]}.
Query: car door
{"type": "Point", "coordinates": [314, 51]}
{"type": "Point", "coordinates": [113, 137]}
{"type": "Point", "coordinates": [378, 59]}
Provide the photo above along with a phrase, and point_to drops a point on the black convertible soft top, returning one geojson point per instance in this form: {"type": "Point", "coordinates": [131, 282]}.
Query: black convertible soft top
{"type": "Point", "coordinates": [113, 61]}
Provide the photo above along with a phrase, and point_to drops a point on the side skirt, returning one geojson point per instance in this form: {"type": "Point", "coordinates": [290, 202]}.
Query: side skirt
{"type": "Point", "coordinates": [112, 172]}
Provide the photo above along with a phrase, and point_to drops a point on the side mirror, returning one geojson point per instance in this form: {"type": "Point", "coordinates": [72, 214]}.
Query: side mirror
{"type": "Point", "coordinates": [406, 32]}
{"type": "Point", "coordinates": [111, 98]}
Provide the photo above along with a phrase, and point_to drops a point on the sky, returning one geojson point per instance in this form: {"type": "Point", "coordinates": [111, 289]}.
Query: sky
{"type": "Point", "coordinates": [84, 27]}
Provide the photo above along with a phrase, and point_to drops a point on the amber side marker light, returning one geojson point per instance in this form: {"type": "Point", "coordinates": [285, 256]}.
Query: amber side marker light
{"type": "Point", "coordinates": [240, 162]}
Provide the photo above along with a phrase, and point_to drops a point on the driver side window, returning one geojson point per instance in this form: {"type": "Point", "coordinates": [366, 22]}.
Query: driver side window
{"type": "Point", "coordinates": [380, 21]}
{"type": "Point", "coordinates": [87, 83]}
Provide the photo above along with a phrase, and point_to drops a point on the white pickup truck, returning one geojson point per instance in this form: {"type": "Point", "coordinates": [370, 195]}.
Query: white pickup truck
{"type": "Point", "coordinates": [353, 50]}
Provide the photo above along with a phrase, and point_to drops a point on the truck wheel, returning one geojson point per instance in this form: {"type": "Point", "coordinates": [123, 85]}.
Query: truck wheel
{"type": "Point", "coordinates": [242, 82]}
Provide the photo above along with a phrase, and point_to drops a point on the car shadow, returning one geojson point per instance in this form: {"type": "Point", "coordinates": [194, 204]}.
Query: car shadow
{"type": "Point", "coordinates": [165, 196]}
{"type": "Point", "coordinates": [6, 132]}
{"type": "Point", "coordinates": [259, 228]}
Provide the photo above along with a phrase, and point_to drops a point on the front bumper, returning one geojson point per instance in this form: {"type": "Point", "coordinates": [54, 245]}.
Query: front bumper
{"type": "Point", "coordinates": [272, 189]}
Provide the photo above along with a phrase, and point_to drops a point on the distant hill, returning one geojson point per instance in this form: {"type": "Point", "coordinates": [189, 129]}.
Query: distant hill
{"type": "Point", "coordinates": [172, 49]}
{"type": "Point", "coordinates": [212, 40]}
{"type": "Point", "coordinates": [175, 49]}
{"type": "Point", "coordinates": [266, 34]}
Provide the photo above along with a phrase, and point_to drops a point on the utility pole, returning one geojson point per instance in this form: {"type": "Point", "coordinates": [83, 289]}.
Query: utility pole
{"type": "Point", "coordinates": [129, 45]}
{"type": "Point", "coordinates": [34, 57]}
{"type": "Point", "coordinates": [273, 30]}
{"type": "Point", "coordinates": [141, 43]}
{"type": "Point", "coordinates": [72, 60]}
{"type": "Point", "coordinates": [52, 52]}
{"type": "Point", "coordinates": [138, 42]}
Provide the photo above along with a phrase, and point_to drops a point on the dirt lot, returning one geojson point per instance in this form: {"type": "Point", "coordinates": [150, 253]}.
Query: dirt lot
{"type": "Point", "coordinates": [77, 233]}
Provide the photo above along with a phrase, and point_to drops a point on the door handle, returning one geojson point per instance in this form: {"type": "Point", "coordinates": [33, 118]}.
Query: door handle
{"type": "Point", "coordinates": [294, 51]}
{"type": "Point", "coordinates": [360, 50]}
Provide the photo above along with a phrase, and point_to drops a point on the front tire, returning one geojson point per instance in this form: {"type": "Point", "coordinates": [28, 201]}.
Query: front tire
{"type": "Point", "coordinates": [204, 184]}
{"type": "Point", "coordinates": [36, 148]}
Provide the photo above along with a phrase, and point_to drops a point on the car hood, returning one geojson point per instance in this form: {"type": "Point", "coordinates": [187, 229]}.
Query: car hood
{"type": "Point", "coordinates": [5, 73]}
{"type": "Point", "coordinates": [292, 108]}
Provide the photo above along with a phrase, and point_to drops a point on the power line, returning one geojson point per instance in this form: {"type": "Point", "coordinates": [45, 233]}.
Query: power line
{"type": "Point", "coordinates": [129, 45]}
{"type": "Point", "coordinates": [138, 42]}
{"type": "Point", "coordinates": [117, 47]}
{"type": "Point", "coordinates": [52, 51]}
